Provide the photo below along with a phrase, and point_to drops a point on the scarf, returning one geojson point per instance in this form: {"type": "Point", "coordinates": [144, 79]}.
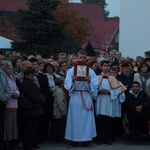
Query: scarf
{"type": "Point", "coordinates": [144, 77]}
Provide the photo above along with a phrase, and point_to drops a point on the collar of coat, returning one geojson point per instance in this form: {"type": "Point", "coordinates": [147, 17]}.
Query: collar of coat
{"type": "Point", "coordinates": [136, 95]}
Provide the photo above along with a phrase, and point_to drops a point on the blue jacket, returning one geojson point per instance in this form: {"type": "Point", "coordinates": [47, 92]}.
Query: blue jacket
{"type": "Point", "coordinates": [5, 92]}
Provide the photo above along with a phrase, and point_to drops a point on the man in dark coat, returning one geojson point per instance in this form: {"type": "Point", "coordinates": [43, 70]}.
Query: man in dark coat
{"type": "Point", "coordinates": [138, 104]}
{"type": "Point", "coordinates": [126, 76]}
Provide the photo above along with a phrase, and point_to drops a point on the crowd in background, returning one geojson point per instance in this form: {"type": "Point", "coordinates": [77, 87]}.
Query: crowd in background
{"type": "Point", "coordinates": [42, 80]}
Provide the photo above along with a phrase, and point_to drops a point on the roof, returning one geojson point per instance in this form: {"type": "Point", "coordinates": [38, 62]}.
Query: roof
{"type": "Point", "coordinates": [7, 28]}
{"type": "Point", "coordinates": [101, 32]}
{"type": "Point", "coordinates": [10, 18]}
{"type": "Point", "coordinates": [13, 17]}
{"type": "Point", "coordinates": [92, 12]}
{"type": "Point", "coordinates": [89, 49]}
{"type": "Point", "coordinates": [112, 19]}
{"type": "Point", "coordinates": [104, 30]}
{"type": "Point", "coordinates": [13, 5]}
{"type": "Point", "coordinates": [101, 29]}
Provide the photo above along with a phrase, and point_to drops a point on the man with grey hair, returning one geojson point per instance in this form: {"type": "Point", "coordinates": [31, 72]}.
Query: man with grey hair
{"type": "Point", "coordinates": [62, 57]}
{"type": "Point", "coordinates": [118, 55]}
{"type": "Point", "coordinates": [112, 55]}
{"type": "Point", "coordinates": [5, 94]}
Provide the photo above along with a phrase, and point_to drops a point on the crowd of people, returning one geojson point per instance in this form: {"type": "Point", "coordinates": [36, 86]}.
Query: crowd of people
{"type": "Point", "coordinates": [43, 98]}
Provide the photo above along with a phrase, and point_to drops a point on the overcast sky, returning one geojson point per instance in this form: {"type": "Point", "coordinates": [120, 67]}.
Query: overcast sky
{"type": "Point", "coordinates": [113, 7]}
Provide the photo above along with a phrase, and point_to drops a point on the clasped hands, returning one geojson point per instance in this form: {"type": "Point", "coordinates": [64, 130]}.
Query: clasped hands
{"type": "Point", "coordinates": [139, 108]}
{"type": "Point", "coordinates": [14, 96]}
{"type": "Point", "coordinates": [104, 91]}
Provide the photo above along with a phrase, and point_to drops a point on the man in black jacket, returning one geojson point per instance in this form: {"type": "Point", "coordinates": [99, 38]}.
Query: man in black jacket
{"type": "Point", "coordinates": [138, 104]}
{"type": "Point", "coordinates": [126, 76]}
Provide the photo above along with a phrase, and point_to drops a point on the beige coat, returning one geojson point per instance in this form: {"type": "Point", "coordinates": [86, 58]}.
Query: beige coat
{"type": "Point", "coordinates": [60, 103]}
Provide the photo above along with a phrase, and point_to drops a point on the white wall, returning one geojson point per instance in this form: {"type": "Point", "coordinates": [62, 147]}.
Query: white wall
{"type": "Point", "coordinates": [134, 27]}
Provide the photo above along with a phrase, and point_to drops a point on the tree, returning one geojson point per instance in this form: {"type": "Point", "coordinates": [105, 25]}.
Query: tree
{"type": "Point", "coordinates": [77, 27]}
{"type": "Point", "coordinates": [101, 2]}
{"type": "Point", "coordinates": [38, 28]}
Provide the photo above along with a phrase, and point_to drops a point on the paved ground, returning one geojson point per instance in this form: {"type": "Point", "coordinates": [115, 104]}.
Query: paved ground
{"type": "Point", "coordinates": [118, 145]}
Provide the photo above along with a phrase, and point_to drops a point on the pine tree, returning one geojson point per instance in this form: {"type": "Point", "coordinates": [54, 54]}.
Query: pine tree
{"type": "Point", "coordinates": [38, 28]}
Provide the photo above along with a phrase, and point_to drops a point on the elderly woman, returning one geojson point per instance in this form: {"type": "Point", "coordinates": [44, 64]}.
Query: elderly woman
{"type": "Point", "coordinates": [10, 128]}
{"type": "Point", "coordinates": [16, 62]}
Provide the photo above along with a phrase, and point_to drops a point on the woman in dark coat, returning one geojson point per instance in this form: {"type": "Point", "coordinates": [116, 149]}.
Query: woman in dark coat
{"type": "Point", "coordinates": [32, 100]}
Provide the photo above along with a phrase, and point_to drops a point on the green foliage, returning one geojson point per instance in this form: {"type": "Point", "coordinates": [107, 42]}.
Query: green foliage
{"type": "Point", "coordinates": [38, 28]}
{"type": "Point", "coordinates": [101, 2]}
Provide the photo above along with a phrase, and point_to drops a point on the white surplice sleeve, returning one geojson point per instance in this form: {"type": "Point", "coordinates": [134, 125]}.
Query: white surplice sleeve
{"type": "Point", "coordinates": [113, 94]}
{"type": "Point", "coordinates": [122, 97]}
{"type": "Point", "coordinates": [69, 84]}
{"type": "Point", "coordinates": [93, 84]}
